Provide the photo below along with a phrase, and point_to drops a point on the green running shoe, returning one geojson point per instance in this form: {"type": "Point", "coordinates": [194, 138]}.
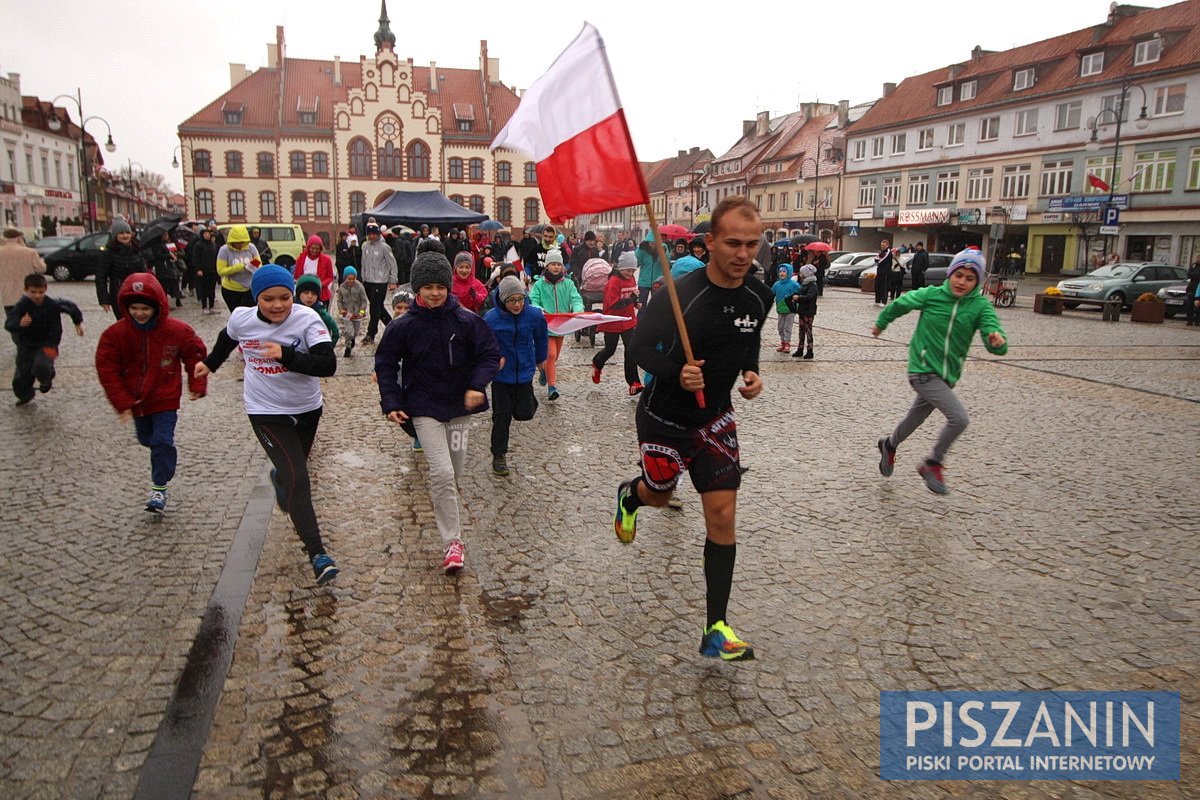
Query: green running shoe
{"type": "Point", "coordinates": [624, 522]}
{"type": "Point", "coordinates": [721, 642]}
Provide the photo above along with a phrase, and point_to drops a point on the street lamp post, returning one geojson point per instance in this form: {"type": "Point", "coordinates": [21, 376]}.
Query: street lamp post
{"type": "Point", "coordinates": [1093, 144]}
{"type": "Point", "coordinates": [110, 146]}
{"type": "Point", "coordinates": [816, 187]}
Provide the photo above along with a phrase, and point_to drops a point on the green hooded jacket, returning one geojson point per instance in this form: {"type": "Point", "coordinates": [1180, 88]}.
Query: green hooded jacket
{"type": "Point", "coordinates": [943, 335]}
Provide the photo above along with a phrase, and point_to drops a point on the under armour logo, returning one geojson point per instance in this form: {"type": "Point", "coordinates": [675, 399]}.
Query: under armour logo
{"type": "Point", "coordinates": [729, 309]}
{"type": "Point", "coordinates": [746, 323]}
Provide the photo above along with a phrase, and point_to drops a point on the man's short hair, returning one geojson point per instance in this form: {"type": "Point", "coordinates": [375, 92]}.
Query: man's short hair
{"type": "Point", "coordinates": [35, 279]}
{"type": "Point", "coordinates": [734, 204]}
{"type": "Point", "coordinates": [13, 233]}
{"type": "Point", "coordinates": [431, 245]}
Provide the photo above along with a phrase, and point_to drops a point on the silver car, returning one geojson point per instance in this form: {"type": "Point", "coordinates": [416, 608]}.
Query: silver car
{"type": "Point", "coordinates": [1175, 297]}
{"type": "Point", "coordinates": [1123, 281]}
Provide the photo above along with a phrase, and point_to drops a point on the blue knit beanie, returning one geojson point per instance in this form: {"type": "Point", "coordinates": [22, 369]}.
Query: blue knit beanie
{"type": "Point", "coordinates": [349, 271]}
{"type": "Point", "coordinates": [271, 275]}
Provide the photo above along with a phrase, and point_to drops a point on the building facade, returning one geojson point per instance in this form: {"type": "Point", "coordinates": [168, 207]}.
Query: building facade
{"type": "Point", "coordinates": [316, 142]}
{"type": "Point", "coordinates": [1018, 150]}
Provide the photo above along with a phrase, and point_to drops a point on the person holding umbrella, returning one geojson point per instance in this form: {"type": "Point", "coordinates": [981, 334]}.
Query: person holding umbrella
{"type": "Point", "coordinates": [820, 261]}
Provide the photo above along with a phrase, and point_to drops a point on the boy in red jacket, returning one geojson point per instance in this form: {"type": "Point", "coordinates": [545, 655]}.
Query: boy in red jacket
{"type": "Point", "coordinates": [138, 361]}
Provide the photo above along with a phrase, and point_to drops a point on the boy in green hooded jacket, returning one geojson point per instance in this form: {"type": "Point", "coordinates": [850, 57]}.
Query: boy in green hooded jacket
{"type": "Point", "coordinates": [950, 315]}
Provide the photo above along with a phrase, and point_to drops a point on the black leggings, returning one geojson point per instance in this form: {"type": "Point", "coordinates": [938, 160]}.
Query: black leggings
{"type": "Point", "coordinates": [236, 299]}
{"type": "Point", "coordinates": [610, 349]}
{"type": "Point", "coordinates": [288, 439]}
{"type": "Point", "coordinates": [206, 289]}
{"type": "Point", "coordinates": [509, 401]}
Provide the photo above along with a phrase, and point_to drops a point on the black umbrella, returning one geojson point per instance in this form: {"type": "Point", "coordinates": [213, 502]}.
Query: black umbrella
{"type": "Point", "coordinates": [804, 238]}
{"type": "Point", "coordinates": [702, 227]}
{"type": "Point", "coordinates": [154, 231]}
{"type": "Point", "coordinates": [541, 226]}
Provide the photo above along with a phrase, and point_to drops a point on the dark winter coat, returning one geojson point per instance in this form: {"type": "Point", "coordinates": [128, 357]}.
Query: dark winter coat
{"type": "Point", "coordinates": [117, 262]}
{"type": "Point", "coordinates": [45, 329]}
{"type": "Point", "coordinates": [806, 304]}
{"type": "Point", "coordinates": [202, 258]}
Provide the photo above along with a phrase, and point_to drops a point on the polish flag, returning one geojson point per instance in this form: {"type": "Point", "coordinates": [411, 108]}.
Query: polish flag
{"type": "Point", "coordinates": [572, 122]}
{"type": "Point", "coordinates": [562, 324]}
{"type": "Point", "coordinates": [1095, 182]}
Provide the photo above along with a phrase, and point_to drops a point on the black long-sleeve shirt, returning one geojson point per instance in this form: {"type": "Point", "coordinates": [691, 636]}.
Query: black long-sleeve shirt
{"type": "Point", "coordinates": [45, 330]}
{"type": "Point", "coordinates": [725, 329]}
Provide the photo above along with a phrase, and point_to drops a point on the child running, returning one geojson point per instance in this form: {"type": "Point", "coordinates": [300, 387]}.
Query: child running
{"type": "Point", "coordinates": [554, 293]}
{"type": "Point", "coordinates": [308, 292]}
{"type": "Point", "coordinates": [950, 315]}
{"type": "Point", "coordinates": [620, 300]}
{"type": "Point", "coordinates": [287, 349]}
{"type": "Point", "coordinates": [434, 365]}
{"type": "Point", "coordinates": [35, 322]}
{"type": "Point", "coordinates": [522, 335]}
{"type": "Point", "coordinates": [138, 361]}
{"type": "Point", "coordinates": [352, 308]}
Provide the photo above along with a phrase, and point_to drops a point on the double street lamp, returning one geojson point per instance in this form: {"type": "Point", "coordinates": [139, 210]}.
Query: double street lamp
{"type": "Point", "coordinates": [816, 188]}
{"type": "Point", "coordinates": [56, 125]}
{"type": "Point", "coordinates": [1093, 144]}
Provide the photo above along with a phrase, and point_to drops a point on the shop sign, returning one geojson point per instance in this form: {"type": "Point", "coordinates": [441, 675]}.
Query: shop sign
{"type": "Point", "coordinates": [1093, 202]}
{"type": "Point", "coordinates": [33, 191]}
{"type": "Point", "coordinates": [863, 213]}
{"type": "Point", "coordinates": [890, 220]}
{"type": "Point", "coordinates": [1017, 213]}
{"type": "Point", "coordinates": [60, 193]}
{"type": "Point", "coordinates": [925, 216]}
{"type": "Point", "coordinates": [972, 216]}
{"type": "Point", "coordinates": [1052, 216]}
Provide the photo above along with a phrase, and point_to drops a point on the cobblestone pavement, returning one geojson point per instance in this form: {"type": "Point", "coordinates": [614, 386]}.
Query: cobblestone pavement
{"type": "Point", "coordinates": [562, 664]}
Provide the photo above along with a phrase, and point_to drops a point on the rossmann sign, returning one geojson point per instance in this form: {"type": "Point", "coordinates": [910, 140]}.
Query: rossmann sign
{"type": "Point", "coordinates": [924, 216]}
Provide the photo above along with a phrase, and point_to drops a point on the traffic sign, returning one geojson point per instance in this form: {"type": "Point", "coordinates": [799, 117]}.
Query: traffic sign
{"type": "Point", "coordinates": [1110, 230]}
{"type": "Point", "coordinates": [1112, 215]}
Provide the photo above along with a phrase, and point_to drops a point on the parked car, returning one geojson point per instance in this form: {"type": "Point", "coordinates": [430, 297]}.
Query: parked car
{"type": "Point", "coordinates": [1123, 281]}
{"type": "Point", "coordinates": [844, 270]}
{"type": "Point", "coordinates": [78, 259]}
{"type": "Point", "coordinates": [48, 244]}
{"type": "Point", "coordinates": [935, 275]}
{"type": "Point", "coordinates": [1175, 299]}
{"type": "Point", "coordinates": [286, 241]}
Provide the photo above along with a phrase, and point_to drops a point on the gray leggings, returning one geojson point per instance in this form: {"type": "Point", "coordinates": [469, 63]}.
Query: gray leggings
{"type": "Point", "coordinates": [785, 327]}
{"type": "Point", "coordinates": [445, 446]}
{"type": "Point", "coordinates": [932, 392]}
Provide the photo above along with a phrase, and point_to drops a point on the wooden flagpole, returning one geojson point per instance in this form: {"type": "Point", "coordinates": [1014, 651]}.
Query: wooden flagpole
{"type": "Point", "coordinates": [673, 295]}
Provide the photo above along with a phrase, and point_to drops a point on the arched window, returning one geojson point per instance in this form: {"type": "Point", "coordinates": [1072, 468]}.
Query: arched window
{"type": "Point", "coordinates": [204, 203]}
{"type": "Point", "coordinates": [299, 204]}
{"type": "Point", "coordinates": [233, 162]}
{"type": "Point", "coordinates": [476, 203]}
{"type": "Point", "coordinates": [476, 167]}
{"type": "Point", "coordinates": [389, 161]}
{"type": "Point", "coordinates": [201, 162]}
{"type": "Point", "coordinates": [321, 204]}
{"type": "Point", "coordinates": [454, 170]}
{"type": "Point", "coordinates": [358, 202]}
{"type": "Point", "coordinates": [457, 198]}
{"type": "Point", "coordinates": [297, 163]}
{"type": "Point", "coordinates": [530, 173]}
{"type": "Point", "coordinates": [320, 163]}
{"type": "Point", "coordinates": [503, 172]}
{"type": "Point", "coordinates": [504, 209]}
{"type": "Point", "coordinates": [266, 165]}
{"type": "Point", "coordinates": [266, 205]}
{"type": "Point", "coordinates": [531, 210]}
{"type": "Point", "coordinates": [418, 161]}
{"type": "Point", "coordinates": [237, 204]}
{"type": "Point", "coordinates": [360, 159]}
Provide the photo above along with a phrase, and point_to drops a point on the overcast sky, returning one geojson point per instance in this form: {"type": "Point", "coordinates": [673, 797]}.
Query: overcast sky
{"type": "Point", "coordinates": [687, 75]}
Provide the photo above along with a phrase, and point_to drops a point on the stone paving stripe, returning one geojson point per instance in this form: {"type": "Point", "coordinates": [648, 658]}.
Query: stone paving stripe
{"type": "Point", "coordinates": [1019, 365]}
{"type": "Point", "coordinates": [174, 758]}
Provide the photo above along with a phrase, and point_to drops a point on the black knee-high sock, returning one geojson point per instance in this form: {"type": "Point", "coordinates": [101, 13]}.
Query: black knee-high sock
{"type": "Point", "coordinates": [633, 501]}
{"type": "Point", "coordinates": [718, 578]}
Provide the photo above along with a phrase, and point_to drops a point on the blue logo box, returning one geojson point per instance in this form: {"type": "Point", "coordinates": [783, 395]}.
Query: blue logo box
{"type": "Point", "coordinates": [1021, 736]}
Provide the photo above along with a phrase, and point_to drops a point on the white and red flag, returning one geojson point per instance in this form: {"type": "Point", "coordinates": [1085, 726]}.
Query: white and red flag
{"type": "Point", "coordinates": [562, 324]}
{"type": "Point", "coordinates": [572, 122]}
{"type": "Point", "coordinates": [1096, 182]}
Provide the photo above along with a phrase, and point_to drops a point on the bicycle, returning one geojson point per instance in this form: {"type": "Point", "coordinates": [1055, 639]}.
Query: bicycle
{"type": "Point", "coordinates": [1003, 292]}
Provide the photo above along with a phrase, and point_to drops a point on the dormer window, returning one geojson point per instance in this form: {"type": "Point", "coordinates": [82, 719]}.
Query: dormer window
{"type": "Point", "coordinates": [306, 111]}
{"type": "Point", "coordinates": [967, 90]}
{"type": "Point", "coordinates": [1147, 52]}
{"type": "Point", "coordinates": [464, 115]}
{"type": "Point", "coordinates": [1022, 79]}
{"type": "Point", "coordinates": [233, 112]}
{"type": "Point", "coordinates": [945, 96]}
{"type": "Point", "coordinates": [1091, 64]}
{"type": "Point", "coordinates": [307, 117]}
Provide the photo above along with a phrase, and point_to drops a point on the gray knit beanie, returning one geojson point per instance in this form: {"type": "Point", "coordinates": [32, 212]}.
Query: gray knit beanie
{"type": "Point", "coordinates": [428, 268]}
{"type": "Point", "coordinates": [554, 256]}
{"type": "Point", "coordinates": [464, 256]}
{"type": "Point", "coordinates": [119, 226]}
{"type": "Point", "coordinates": [510, 286]}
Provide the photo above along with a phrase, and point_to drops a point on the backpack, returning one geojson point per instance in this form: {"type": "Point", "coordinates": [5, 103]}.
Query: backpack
{"type": "Point", "coordinates": [595, 275]}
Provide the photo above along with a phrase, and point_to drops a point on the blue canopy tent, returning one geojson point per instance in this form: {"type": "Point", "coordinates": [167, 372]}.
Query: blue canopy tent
{"type": "Point", "coordinates": [418, 208]}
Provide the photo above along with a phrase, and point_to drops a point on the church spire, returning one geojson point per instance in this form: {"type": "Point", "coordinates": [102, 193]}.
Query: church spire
{"type": "Point", "coordinates": [384, 38]}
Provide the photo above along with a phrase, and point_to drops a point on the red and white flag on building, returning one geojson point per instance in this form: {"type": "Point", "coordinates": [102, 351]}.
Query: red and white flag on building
{"type": "Point", "coordinates": [1096, 183]}
{"type": "Point", "coordinates": [572, 122]}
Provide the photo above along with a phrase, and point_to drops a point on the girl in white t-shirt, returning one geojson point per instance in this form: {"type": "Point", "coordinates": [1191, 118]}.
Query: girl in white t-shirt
{"type": "Point", "coordinates": [287, 351]}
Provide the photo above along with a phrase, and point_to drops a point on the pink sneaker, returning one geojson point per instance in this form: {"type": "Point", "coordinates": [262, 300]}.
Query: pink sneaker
{"type": "Point", "coordinates": [453, 562]}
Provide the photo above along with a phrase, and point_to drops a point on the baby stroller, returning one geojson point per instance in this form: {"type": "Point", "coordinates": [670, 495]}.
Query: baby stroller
{"type": "Point", "coordinates": [595, 275]}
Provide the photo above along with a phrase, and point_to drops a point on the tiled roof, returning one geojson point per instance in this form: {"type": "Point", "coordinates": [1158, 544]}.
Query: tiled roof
{"type": "Point", "coordinates": [1057, 66]}
{"type": "Point", "coordinates": [306, 80]}
{"type": "Point", "coordinates": [36, 113]}
{"type": "Point", "coordinates": [662, 176]}
{"type": "Point", "coordinates": [798, 143]}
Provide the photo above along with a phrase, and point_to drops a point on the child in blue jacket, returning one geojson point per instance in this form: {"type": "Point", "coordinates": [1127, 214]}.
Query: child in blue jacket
{"type": "Point", "coordinates": [524, 341]}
